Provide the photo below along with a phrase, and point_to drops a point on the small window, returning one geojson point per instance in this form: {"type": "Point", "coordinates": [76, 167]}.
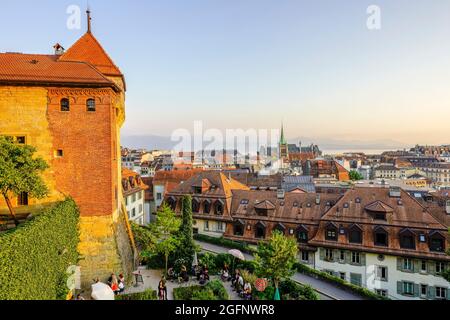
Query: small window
{"type": "Point", "coordinates": [331, 233]}
{"type": "Point", "coordinates": [423, 266]}
{"type": "Point", "coordinates": [439, 267]}
{"type": "Point", "coordinates": [329, 254]}
{"type": "Point", "coordinates": [206, 225]}
{"type": "Point", "coordinates": [381, 292]}
{"type": "Point", "coordinates": [21, 140]}
{"type": "Point", "coordinates": [158, 196]}
{"type": "Point", "coordinates": [342, 256]}
{"type": "Point", "coordinates": [408, 288]}
{"type": "Point", "coordinates": [22, 199]}
{"type": "Point", "coordinates": [356, 257]}
{"type": "Point", "coordinates": [90, 105]}
{"type": "Point", "coordinates": [355, 235]}
{"type": "Point", "coordinates": [407, 264]}
{"type": "Point", "coordinates": [305, 256]}
{"type": "Point", "coordinates": [441, 293]}
{"type": "Point", "coordinates": [65, 105]}
{"type": "Point", "coordinates": [342, 275]}
{"type": "Point", "coordinates": [59, 153]}
{"type": "Point", "coordinates": [423, 290]}
{"type": "Point", "coordinates": [382, 274]}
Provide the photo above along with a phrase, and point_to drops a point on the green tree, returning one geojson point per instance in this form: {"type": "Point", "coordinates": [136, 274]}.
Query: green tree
{"type": "Point", "coordinates": [165, 230]}
{"type": "Point", "coordinates": [20, 172]}
{"type": "Point", "coordinates": [275, 259]}
{"type": "Point", "coordinates": [355, 175]}
{"type": "Point", "coordinates": [187, 247]}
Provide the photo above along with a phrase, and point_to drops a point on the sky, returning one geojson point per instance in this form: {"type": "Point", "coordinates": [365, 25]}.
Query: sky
{"type": "Point", "coordinates": [311, 64]}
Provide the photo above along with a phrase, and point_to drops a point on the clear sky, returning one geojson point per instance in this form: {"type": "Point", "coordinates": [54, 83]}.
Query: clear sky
{"type": "Point", "coordinates": [254, 63]}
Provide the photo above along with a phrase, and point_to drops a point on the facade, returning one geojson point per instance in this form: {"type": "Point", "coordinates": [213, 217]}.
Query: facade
{"type": "Point", "coordinates": [325, 169]}
{"type": "Point", "coordinates": [70, 106]}
{"type": "Point", "coordinates": [134, 193]}
{"type": "Point", "coordinates": [438, 173]}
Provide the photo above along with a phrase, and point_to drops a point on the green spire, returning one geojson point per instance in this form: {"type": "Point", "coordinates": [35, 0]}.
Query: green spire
{"type": "Point", "coordinates": [282, 138]}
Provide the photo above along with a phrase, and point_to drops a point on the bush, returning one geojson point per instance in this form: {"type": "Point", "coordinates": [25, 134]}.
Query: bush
{"type": "Point", "coordinates": [341, 283]}
{"type": "Point", "coordinates": [291, 290]}
{"type": "Point", "coordinates": [209, 260]}
{"type": "Point", "coordinates": [268, 294]}
{"type": "Point", "coordinates": [35, 257]}
{"type": "Point", "coordinates": [214, 290]}
{"type": "Point", "coordinates": [146, 295]}
{"type": "Point", "coordinates": [152, 260]}
{"type": "Point", "coordinates": [242, 246]}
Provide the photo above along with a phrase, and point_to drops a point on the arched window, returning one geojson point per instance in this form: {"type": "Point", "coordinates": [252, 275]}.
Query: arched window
{"type": "Point", "coordinates": [302, 234]}
{"type": "Point", "coordinates": [172, 202]}
{"type": "Point", "coordinates": [331, 232]}
{"type": "Point", "coordinates": [195, 205]}
{"type": "Point", "coordinates": [218, 207]}
{"type": "Point", "coordinates": [260, 230]}
{"type": "Point", "coordinates": [407, 239]}
{"type": "Point", "coordinates": [65, 105]}
{"type": "Point", "coordinates": [90, 105]}
{"type": "Point", "coordinates": [380, 237]}
{"type": "Point", "coordinates": [355, 234]}
{"type": "Point", "coordinates": [207, 206]}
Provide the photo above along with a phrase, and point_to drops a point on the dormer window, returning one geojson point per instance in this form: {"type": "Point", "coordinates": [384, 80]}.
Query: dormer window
{"type": "Point", "coordinates": [218, 207]}
{"type": "Point", "coordinates": [437, 242]}
{"type": "Point", "coordinates": [280, 228]}
{"type": "Point", "coordinates": [65, 105]}
{"type": "Point", "coordinates": [302, 234]}
{"type": "Point", "coordinates": [197, 190]}
{"type": "Point", "coordinates": [380, 216]}
{"type": "Point", "coordinates": [90, 105]}
{"type": "Point", "coordinates": [380, 237]}
{"type": "Point", "coordinates": [172, 202]}
{"type": "Point", "coordinates": [355, 235]}
{"type": "Point", "coordinates": [195, 205]}
{"type": "Point", "coordinates": [260, 230]}
{"type": "Point", "coordinates": [238, 228]}
{"type": "Point", "coordinates": [331, 232]}
{"type": "Point", "coordinates": [407, 239]}
{"type": "Point", "coordinates": [207, 206]}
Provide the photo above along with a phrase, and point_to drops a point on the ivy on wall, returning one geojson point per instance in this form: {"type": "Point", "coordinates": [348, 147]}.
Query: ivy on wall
{"type": "Point", "coordinates": [35, 257]}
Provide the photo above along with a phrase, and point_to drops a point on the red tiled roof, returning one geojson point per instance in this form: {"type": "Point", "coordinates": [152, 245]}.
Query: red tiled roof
{"type": "Point", "coordinates": [32, 68]}
{"type": "Point", "coordinates": [88, 49]}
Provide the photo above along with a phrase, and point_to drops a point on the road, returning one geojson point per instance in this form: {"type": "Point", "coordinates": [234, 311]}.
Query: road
{"type": "Point", "coordinates": [326, 290]}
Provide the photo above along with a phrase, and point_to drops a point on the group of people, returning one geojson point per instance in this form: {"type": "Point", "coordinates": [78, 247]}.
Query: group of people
{"type": "Point", "coordinates": [117, 284]}
{"type": "Point", "coordinates": [244, 289]}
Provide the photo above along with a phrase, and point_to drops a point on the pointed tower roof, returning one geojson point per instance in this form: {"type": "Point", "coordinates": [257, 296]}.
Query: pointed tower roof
{"type": "Point", "coordinates": [88, 49]}
{"type": "Point", "coordinates": [282, 138]}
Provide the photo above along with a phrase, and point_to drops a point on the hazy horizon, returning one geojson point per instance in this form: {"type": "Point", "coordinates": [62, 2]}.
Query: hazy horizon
{"type": "Point", "coordinates": [252, 64]}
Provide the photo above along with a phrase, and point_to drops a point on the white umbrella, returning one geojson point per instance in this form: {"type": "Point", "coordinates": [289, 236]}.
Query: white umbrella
{"type": "Point", "coordinates": [237, 254]}
{"type": "Point", "coordinates": [101, 291]}
{"type": "Point", "coordinates": [195, 261]}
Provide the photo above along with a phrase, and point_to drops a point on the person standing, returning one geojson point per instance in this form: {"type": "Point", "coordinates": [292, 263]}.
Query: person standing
{"type": "Point", "coordinates": [162, 290]}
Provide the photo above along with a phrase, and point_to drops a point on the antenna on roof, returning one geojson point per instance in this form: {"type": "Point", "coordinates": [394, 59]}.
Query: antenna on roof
{"type": "Point", "coordinates": [88, 12]}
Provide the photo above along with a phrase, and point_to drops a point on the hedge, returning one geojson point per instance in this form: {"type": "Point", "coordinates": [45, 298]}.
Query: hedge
{"type": "Point", "coordinates": [225, 243]}
{"type": "Point", "coordinates": [338, 281]}
{"type": "Point", "coordinates": [213, 290]}
{"type": "Point", "coordinates": [35, 256]}
{"type": "Point", "coordinates": [146, 295]}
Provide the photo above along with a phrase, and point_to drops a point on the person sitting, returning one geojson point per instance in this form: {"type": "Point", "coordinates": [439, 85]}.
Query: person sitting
{"type": "Point", "coordinates": [183, 275]}
{"type": "Point", "coordinates": [247, 293]}
{"type": "Point", "coordinates": [121, 283]}
{"type": "Point", "coordinates": [239, 285]}
{"type": "Point", "coordinates": [235, 279]}
{"type": "Point", "coordinates": [171, 274]}
{"type": "Point", "coordinates": [225, 274]}
{"type": "Point", "coordinates": [206, 273]}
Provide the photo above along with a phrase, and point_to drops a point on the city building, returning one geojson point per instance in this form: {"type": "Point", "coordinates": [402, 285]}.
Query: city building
{"type": "Point", "coordinates": [134, 193]}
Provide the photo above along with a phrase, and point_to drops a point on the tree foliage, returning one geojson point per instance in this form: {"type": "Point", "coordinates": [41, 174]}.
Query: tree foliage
{"type": "Point", "coordinates": [20, 172]}
{"type": "Point", "coordinates": [275, 259]}
{"type": "Point", "coordinates": [165, 230]}
{"type": "Point", "coordinates": [355, 175]}
{"type": "Point", "coordinates": [187, 247]}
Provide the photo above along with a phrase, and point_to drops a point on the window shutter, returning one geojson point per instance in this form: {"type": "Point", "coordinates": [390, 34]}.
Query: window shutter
{"type": "Point", "coordinates": [416, 290]}
{"type": "Point", "coordinates": [322, 253]}
{"type": "Point", "coordinates": [348, 257]}
{"type": "Point", "coordinates": [431, 267]}
{"type": "Point", "coordinates": [416, 265]}
{"type": "Point", "coordinates": [311, 258]}
{"type": "Point", "coordinates": [399, 287]}
{"type": "Point", "coordinates": [399, 264]}
{"type": "Point", "coordinates": [431, 292]}
{"type": "Point", "coordinates": [448, 294]}
{"type": "Point", "coordinates": [363, 259]}
{"type": "Point", "coordinates": [336, 255]}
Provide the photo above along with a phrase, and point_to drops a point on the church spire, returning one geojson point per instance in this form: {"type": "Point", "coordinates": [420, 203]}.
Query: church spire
{"type": "Point", "coordinates": [88, 13]}
{"type": "Point", "coordinates": [282, 138]}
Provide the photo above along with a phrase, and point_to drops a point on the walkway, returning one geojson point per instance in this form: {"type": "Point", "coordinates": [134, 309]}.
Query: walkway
{"type": "Point", "coordinates": [326, 290]}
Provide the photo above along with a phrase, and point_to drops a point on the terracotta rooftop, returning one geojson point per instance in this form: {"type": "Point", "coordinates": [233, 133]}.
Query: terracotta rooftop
{"type": "Point", "coordinates": [88, 49]}
{"type": "Point", "coordinates": [31, 68]}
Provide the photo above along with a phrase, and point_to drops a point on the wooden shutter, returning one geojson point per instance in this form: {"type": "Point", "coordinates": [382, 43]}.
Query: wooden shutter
{"type": "Point", "coordinates": [400, 264]}
{"type": "Point", "coordinates": [322, 253]}
{"type": "Point", "coordinates": [399, 287]}
{"type": "Point", "coordinates": [416, 265]}
{"type": "Point", "coordinates": [431, 267]}
{"type": "Point", "coordinates": [348, 257]}
{"type": "Point", "coordinates": [431, 292]}
{"type": "Point", "coordinates": [416, 290]}
{"type": "Point", "coordinates": [363, 259]}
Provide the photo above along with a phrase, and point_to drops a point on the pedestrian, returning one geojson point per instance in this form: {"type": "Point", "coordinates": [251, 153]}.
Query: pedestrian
{"type": "Point", "coordinates": [121, 283]}
{"type": "Point", "coordinates": [162, 290]}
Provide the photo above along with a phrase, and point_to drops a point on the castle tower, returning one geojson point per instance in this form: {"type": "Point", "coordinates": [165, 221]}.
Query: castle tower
{"type": "Point", "coordinates": [72, 113]}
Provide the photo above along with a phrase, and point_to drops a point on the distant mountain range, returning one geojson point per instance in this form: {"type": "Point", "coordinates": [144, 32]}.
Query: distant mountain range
{"type": "Point", "coordinates": [330, 145]}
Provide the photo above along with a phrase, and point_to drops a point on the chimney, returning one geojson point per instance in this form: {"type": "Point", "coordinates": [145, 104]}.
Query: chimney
{"type": "Point", "coordinates": [280, 194]}
{"type": "Point", "coordinates": [318, 199]}
{"type": "Point", "coordinates": [59, 49]}
{"type": "Point", "coordinates": [447, 207]}
{"type": "Point", "coordinates": [394, 192]}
